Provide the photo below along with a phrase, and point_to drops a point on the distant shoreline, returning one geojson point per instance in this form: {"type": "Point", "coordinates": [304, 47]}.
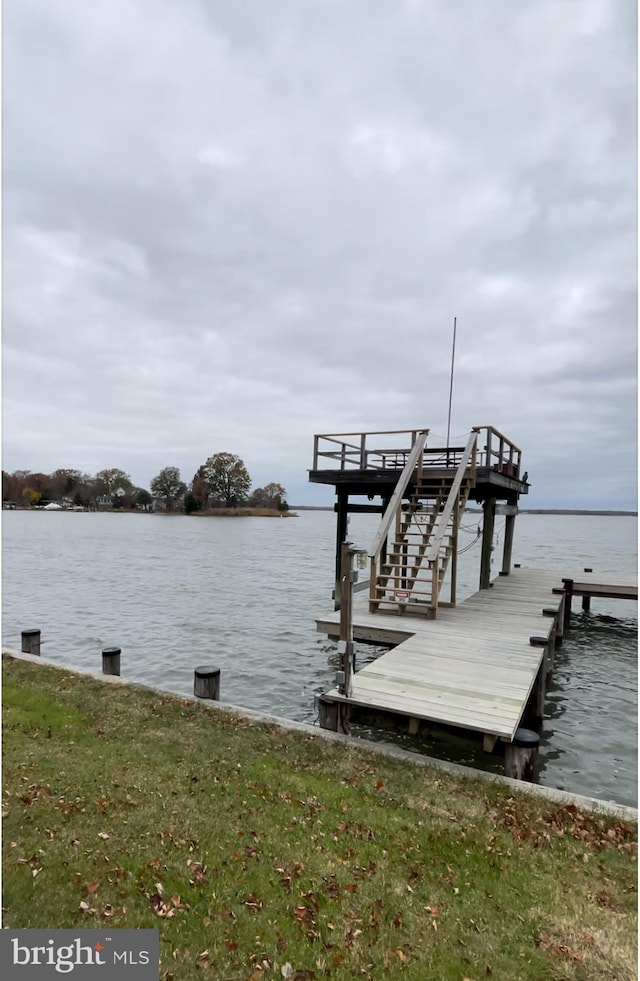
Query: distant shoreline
{"type": "Point", "coordinates": [291, 513]}
{"type": "Point", "coordinates": [611, 514]}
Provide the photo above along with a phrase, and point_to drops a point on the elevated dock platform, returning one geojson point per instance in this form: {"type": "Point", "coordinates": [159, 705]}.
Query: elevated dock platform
{"type": "Point", "coordinates": [480, 666]}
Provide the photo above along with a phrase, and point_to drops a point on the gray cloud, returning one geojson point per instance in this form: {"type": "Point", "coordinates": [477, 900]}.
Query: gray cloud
{"type": "Point", "coordinates": [230, 226]}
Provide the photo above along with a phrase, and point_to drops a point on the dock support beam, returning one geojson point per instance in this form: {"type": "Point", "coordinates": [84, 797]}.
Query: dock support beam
{"type": "Point", "coordinates": [509, 528]}
{"type": "Point", "coordinates": [487, 542]}
{"type": "Point", "coordinates": [342, 508]}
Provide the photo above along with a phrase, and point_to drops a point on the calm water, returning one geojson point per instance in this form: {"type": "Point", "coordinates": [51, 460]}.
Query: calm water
{"type": "Point", "coordinates": [178, 592]}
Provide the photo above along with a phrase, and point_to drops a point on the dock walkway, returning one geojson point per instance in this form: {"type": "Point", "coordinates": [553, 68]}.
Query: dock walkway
{"type": "Point", "coordinates": [473, 667]}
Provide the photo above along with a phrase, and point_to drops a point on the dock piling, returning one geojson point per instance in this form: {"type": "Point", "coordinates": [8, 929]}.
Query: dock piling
{"type": "Point", "coordinates": [111, 660]}
{"type": "Point", "coordinates": [206, 683]}
{"type": "Point", "coordinates": [521, 756]}
{"type": "Point", "coordinates": [31, 641]}
{"type": "Point", "coordinates": [568, 596]}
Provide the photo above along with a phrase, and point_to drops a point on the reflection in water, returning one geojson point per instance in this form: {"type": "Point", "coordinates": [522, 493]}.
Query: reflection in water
{"type": "Point", "coordinates": [177, 592]}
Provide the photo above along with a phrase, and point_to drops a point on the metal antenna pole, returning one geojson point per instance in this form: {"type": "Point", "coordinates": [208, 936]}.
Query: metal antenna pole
{"type": "Point", "coordinates": [453, 355]}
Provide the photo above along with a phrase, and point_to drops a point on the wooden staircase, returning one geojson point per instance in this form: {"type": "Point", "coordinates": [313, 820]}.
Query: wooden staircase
{"type": "Point", "coordinates": [411, 569]}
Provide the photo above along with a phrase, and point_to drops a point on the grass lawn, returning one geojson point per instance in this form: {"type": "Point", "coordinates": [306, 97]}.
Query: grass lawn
{"type": "Point", "coordinates": [262, 853]}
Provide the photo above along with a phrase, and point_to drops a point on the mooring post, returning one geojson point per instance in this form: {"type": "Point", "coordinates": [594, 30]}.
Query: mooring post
{"type": "Point", "coordinates": [206, 683]}
{"type": "Point", "coordinates": [30, 642]}
{"type": "Point", "coordinates": [111, 660]}
{"type": "Point", "coordinates": [521, 756]}
{"type": "Point", "coordinates": [586, 600]}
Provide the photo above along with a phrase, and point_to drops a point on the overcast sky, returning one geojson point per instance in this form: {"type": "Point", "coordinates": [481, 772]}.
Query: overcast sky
{"type": "Point", "coordinates": [232, 225]}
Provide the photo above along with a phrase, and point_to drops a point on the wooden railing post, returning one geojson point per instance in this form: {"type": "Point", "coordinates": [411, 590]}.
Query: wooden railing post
{"type": "Point", "coordinates": [363, 451]}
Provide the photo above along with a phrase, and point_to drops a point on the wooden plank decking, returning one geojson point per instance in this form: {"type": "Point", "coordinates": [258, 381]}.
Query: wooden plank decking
{"type": "Point", "coordinates": [473, 667]}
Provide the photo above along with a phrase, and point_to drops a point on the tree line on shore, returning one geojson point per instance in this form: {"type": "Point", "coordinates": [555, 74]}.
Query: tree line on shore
{"type": "Point", "coordinates": [222, 481]}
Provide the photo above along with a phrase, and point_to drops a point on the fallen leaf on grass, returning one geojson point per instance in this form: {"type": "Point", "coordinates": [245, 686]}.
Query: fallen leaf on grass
{"type": "Point", "coordinates": [103, 835]}
{"type": "Point", "coordinates": [559, 949]}
{"type": "Point", "coordinates": [164, 909]}
{"type": "Point", "coordinates": [92, 887]}
{"type": "Point", "coordinates": [253, 903]}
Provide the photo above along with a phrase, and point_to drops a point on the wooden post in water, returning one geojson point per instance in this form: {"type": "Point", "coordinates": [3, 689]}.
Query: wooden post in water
{"type": "Point", "coordinates": [560, 624]}
{"type": "Point", "coordinates": [487, 542]}
{"type": "Point", "coordinates": [521, 756]}
{"type": "Point", "coordinates": [568, 596]}
{"type": "Point", "coordinates": [586, 600]}
{"type": "Point", "coordinates": [341, 507]}
{"type": "Point", "coordinates": [333, 715]}
{"type": "Point", "coordinates": [206, 683]}
{"type": "Point", "coordinates": [509, 528]}
{"type": "Point", "coordinates": [555, 637]}
{"type": "Point", "coordinates": [346, 617]}
{"type": "Point", "coordinates": [111, 660]}
{"type": "Point", "coordinates": [30, 642]}
{"type": "Point", "coordinates": [328, 714]}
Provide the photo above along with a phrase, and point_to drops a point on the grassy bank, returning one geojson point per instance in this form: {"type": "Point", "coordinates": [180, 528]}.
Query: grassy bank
{"type": "Point", "coordinates": [261, 853]}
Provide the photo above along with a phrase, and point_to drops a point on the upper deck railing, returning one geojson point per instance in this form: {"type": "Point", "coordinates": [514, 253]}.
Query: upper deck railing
{"type": "Point", "coordinates": [369, 451]}
{"type": "Point", "coordinates": [497, 452]}
{"type": "Point", "coordinates": [358, 451]}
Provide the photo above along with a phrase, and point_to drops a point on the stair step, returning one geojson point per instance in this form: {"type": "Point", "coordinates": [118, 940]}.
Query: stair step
{"type": "Point", "coordinates": [395, 604]}
{"type": "Point", "coordinates": [380, 591]}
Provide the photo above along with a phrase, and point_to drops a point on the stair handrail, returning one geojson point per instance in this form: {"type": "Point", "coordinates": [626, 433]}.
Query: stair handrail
{"type": "Point", "coordinates": [396, 498]}
{"type": "Point", "coordinates": [433, 550]}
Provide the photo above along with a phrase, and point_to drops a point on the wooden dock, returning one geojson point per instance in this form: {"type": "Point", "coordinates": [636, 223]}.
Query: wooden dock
{"type": "Point", "coordinates": [479, 666]}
